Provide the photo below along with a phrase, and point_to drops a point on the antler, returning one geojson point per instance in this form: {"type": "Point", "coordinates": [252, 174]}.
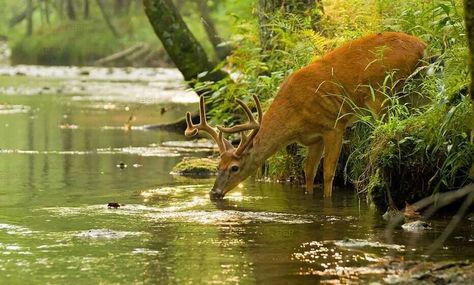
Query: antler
{"type": "Point", "coordinates": [193, 129]}
{"type": "Point", "coordinates": [252, 124]}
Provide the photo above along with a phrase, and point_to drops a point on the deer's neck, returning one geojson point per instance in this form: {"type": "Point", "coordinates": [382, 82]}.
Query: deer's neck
{"type": "Point", "coordinates": [274, 134]}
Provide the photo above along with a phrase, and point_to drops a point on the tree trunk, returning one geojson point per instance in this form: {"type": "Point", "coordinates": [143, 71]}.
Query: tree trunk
{"type": "Point", "coordinates": [303, 8]}
{"type": "Point", "coordinates": [29, 17]}
{"type": "Point", "coordinates": [119, 6]}
{"type": "Point", "coordinates": [127, 5]}
{"type": "Point", "coordinates": [47, 11]}
{"type": "Point", "coordinates": [179, 4]}
{"type": "Point", "coordinates": [222, 50]}
{"type": "Point", "coordinates": [86, 10]}
{"type": "Point", "coordinates": [107, 19]}
{"type": "Point", "coordinates": [469, 18]}
{"type": "Point", "coordinates": [15, 20]}
{"type": "Point", "coordinates": [180, 44]}
{"type": "Point", "coordinates": [43, 4]}
{"type": "Point", "coordinates": [59, 5]}
{"type": "Point", "coordinates": [70, 10]}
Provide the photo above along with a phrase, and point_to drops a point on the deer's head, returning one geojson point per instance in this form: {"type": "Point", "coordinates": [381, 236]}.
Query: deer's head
{"type": "Point", "coordinates": [235, 162]}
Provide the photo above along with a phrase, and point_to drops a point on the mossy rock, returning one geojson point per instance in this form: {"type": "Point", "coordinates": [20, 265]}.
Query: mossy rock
{"type": "Point", "coordinates": [200, 167]}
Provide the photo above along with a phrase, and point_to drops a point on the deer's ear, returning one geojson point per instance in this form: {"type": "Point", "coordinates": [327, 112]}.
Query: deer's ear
{"type": "Point", "coordinates": [228, 145]}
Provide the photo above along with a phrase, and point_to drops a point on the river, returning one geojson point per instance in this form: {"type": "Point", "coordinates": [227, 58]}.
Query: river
{"type": "Point", "coordinates": [65, 154]}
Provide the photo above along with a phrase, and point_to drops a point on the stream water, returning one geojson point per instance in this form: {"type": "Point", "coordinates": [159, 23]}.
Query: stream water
{"type": "Point", "coordinates": [64, 155]}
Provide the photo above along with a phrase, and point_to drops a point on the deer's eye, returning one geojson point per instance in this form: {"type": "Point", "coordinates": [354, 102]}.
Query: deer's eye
{"type": "Point", "coordinates": [234, 168]}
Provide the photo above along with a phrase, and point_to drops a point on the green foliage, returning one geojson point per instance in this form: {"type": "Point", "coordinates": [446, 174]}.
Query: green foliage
{"type": "Point", "coordinates": [286, 164]}
{"type": "Point", "coordinates": [257, 71]}
{"type": "Point", "coordinates": [3, 15]}
{"type": "Point", "coordinates": [413, 156]}
{"type": "Point", "coordinates": [415, 152]}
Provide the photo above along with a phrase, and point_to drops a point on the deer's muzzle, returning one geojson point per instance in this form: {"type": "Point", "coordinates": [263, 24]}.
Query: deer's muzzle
{"type": "Point", "coordinates": [216, 194]}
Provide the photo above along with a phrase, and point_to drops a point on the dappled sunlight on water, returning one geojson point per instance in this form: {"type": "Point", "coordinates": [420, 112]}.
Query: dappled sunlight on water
{"type": "Point", "coordinates": [104, 234]}
{"type": "Point", "coordinates": [178, 190]}
{"type": "Point", "coordinates": [15, 230]}
{"type": "Point", "coordinates": [344, 261]}
{"type": "Point", "coordinates": [151, 150]}
{"type": "Point", "coordinates": [13, 109]}
{"type": "Point", "coordinates": [228, 217]}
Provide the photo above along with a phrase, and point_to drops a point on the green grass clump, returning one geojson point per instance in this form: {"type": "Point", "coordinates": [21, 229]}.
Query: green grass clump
{"type": "Point", "coordinates": [414, 157]}
{"type": "Point", "coordinates": [414, 152]}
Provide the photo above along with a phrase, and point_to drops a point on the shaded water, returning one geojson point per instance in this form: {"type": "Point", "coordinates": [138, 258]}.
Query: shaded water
{"type": "Point", "coordinates": [58, 170]}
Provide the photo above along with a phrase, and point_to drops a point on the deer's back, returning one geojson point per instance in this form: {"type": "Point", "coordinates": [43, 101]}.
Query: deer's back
{"type": "Point", "coordinates": [318, 94]}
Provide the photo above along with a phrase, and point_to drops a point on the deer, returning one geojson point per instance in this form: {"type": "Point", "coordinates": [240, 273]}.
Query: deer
{"type": "Point", "coordinates": [313, 107]}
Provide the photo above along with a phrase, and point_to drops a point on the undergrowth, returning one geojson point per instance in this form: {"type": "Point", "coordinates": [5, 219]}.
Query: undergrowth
{"type": "Point", "coordinates": [415, 152]}
{"type": "Point", "coordinates": [65, 44]}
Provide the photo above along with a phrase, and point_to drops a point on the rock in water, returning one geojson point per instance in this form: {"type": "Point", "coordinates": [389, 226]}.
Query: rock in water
{"type": "Point", "coordinates": [198, 167]}
{"type": "Point", "coordinates": [114, 205]}
{"type": "Point", "coordinates": [416, 226]}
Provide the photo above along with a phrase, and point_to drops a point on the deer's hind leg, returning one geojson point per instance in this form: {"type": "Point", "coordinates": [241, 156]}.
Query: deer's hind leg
{"type": "Point", "coordinates": [315, 152]}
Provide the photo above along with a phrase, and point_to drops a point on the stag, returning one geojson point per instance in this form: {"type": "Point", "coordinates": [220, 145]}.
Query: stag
{"type": "Point", "coordinates": [314, 106]}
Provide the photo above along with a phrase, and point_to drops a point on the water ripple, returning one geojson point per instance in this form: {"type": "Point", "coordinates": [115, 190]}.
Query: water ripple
{"type": "Point", "coordinates": [15, 230]}
{"type": "Point", "coordinates": [229, 217]}
{"type": "Point", "coordinates": [105, 234]}
{"type": "Point", "coordinates": [13, 109]}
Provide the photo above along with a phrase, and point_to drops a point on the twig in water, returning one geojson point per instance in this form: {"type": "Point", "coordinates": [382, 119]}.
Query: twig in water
{"type": "Point", "coordinates": [435, 202]}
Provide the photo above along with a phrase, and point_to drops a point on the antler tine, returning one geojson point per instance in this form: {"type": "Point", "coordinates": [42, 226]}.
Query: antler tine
{"type": "Point", "coordinates": [243, 140]}
{"type": "Point", "coordinates": [202, 110]}
{"type": "Point", "coordinates": [227, 144]}
{"type": "Point", "coordinates": [193, 129]}
{"type": "Point", "coordinates": [259, 108]}
{"type": "Point", "coordinates": [251, 124]}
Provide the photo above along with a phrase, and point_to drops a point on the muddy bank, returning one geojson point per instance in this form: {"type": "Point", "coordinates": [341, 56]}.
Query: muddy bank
{"type": "Point", "coordinates": [455, 272]}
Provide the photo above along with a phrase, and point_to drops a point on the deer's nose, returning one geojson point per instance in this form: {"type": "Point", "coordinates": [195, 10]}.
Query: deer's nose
{"type": "Point", "coordinates": [216, 194]}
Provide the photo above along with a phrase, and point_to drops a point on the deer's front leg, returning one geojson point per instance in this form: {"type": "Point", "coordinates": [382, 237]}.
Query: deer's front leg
{"type": "Point", "coordinates": [333, 143]}
{"type": "Point", "coordinates": [315, 151]}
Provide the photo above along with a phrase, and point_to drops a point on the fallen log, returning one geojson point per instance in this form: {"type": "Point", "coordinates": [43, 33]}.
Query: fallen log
{"type": "Point", "coordinates": [120, 55]}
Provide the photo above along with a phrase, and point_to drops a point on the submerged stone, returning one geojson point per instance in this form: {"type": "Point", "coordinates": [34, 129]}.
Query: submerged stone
{"type": "Point", "coordinates": [471, 218]}
{"type": "Point", "coordinates": [114, 205]}
{"type": "Point", "coordinates": [202, 167]}
{"type": "Point", "coordinates": [416, 226]}
{"type": "Point", "coordinates": [392, 214]}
